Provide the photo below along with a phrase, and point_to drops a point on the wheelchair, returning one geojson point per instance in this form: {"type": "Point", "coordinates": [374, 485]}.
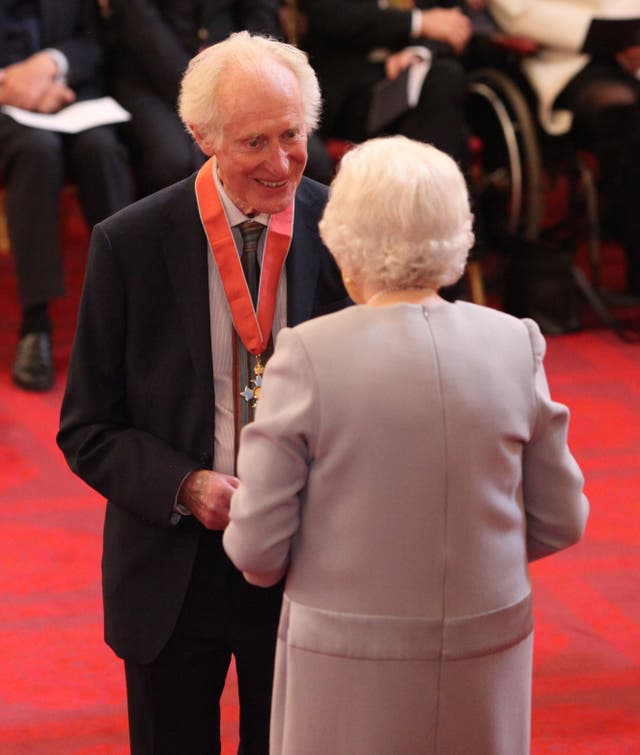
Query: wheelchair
{"type": "Point", "coordinates": [534, 189]}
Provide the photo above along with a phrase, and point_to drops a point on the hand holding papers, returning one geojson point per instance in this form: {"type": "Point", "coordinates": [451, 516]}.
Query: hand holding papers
{"type": "Point", "coordinates": [74, 118]}
{"type": "Point", "coordinates": [392, 98]}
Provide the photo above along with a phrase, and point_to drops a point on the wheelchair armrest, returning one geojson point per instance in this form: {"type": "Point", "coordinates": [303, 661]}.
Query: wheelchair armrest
{"type": "Point", "coordinates": [519, 46]}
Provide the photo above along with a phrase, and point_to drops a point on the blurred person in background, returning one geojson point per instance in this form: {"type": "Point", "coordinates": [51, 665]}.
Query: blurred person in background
{"type": "Point", "coordinates": [596, 97]}
{"type": "Point", "coordinates": [152, 42]}
{"type": "Point", "coordinates": [358, 46]}
{"type": "Point", "coordinates": [51, 56]}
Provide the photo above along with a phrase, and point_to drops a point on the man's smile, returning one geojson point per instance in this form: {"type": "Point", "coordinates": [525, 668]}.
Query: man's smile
{"type": "Point", "coordinates": [272, 184]}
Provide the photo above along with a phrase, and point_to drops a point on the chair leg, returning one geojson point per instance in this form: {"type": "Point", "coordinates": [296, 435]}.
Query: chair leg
{"type": "Point", "coordinates": [476, 283]}
{"type": "Point", "coordinates": [590, 192]}
{"type": "Point", "coordinates": [4, 233]}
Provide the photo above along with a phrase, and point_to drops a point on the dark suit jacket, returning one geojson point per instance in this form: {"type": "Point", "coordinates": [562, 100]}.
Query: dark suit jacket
{"type": "Point", "coordinates": [138, 412]}
{"type": "Point", "coordinates": [341, 34]}
{"type": "Point", "coordinates": [71, 26]}
{"type": "Point", "coordinates": [153, 40]}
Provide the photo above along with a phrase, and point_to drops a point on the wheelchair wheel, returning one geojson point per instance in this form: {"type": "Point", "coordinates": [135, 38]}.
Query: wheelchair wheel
{"type": "Point", "coordinates": [509, 174]}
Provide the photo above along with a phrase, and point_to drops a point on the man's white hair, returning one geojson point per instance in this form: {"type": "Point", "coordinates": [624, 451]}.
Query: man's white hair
{"type": "Point", "coordinates": [398, 215]}
{"type": "Point", "coordinates": [241, 54]}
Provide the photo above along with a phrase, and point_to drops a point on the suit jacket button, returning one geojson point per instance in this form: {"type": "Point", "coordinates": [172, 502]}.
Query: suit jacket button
{"type": "Point", "coordinates": [206, 460]}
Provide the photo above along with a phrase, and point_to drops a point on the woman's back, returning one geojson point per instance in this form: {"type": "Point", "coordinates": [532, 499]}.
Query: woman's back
{"type": "Point", "coordinates": [405, 463]}
{"type": "Point", "coordinates": [417, 461]}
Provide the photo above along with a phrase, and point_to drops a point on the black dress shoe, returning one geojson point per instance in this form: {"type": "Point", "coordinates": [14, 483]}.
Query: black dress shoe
{"type": "Point", "coordinates": [33, 367]}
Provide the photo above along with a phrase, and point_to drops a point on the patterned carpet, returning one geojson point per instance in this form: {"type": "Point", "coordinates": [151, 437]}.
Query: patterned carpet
{"type": "Point", "coordinates": [61, 689]}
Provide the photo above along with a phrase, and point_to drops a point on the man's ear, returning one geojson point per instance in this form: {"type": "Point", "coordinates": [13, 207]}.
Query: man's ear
{"type": "Point", "coordinates": [204, 142]}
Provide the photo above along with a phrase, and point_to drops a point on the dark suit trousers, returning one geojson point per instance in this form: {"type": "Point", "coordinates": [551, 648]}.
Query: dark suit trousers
{"type": "Point", "coordinates": [174, 701]}
{"type": "Point", "coordinates": [34, 165]}
{"type": "Point", "coordinates": [438, 118]}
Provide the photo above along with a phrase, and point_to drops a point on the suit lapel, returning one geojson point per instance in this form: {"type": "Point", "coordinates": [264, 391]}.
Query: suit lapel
{"type": "Point", "coordinates": [302, 267]}
{"type": "Point", "coordinates": [185, 253]}
{"type": "Point", "coordinates": [58, 18]}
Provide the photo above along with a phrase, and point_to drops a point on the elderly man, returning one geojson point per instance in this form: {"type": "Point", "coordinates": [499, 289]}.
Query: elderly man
{"type": "Point", "coordinates": [157, 388]}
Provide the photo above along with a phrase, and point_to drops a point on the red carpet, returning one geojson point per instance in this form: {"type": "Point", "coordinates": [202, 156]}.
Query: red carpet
{"type": "Point", "coordinates": [61, 689]}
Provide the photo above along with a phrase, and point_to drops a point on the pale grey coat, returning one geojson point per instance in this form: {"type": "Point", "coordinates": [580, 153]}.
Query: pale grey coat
{"type": "Point", "coordinates": [403, 467]}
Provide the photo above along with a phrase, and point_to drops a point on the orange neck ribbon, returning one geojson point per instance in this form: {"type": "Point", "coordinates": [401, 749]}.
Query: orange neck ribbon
{"type": "Point", "coordinates": [254, 329]}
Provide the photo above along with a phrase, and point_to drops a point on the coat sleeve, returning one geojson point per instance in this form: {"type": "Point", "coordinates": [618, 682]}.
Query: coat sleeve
{"type": "Point", "coordinates": [361, 26]}
{"type": "Point", "coordinates": [77, 36]}
{"type": "Point", "coordinates": [275, 452]}
{"type": "Point", "coordinates": [260, 17]}
{"type": "Point", "coordinates": [139, 27]}
{"type": "Point", "coordinates": [101, 441]}
{"type": "Point", "coordinates": [558, 24]}
{"type": "Point", "coordinates": [149, 36]}
{"type": "Point", "coordinates": [555, 506]}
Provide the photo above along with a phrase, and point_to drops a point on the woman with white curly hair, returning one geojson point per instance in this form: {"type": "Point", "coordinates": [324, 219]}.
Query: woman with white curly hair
{"type": "Point", "coordinates": [405, 464]}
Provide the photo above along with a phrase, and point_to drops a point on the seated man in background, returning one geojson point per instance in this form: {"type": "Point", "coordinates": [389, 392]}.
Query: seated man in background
{"type": "Point", "coordinates": [355, 45]}
{"type": "Point", "coordinates": [50, 56]}
{"type": "Point", "coordinates": [597, 97]}
{"type": "Point", "coordinates": [152, 42]}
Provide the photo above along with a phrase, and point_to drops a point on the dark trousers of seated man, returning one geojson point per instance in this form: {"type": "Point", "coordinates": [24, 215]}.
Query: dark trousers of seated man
{"type": "Point", "coordinates": [34, 166]}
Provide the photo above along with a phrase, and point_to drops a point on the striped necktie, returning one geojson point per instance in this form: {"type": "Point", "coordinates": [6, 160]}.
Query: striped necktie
{"type": "Point", "coordinates": [251, 231]}
{"type": "Point", "coordinates": [244, 362]}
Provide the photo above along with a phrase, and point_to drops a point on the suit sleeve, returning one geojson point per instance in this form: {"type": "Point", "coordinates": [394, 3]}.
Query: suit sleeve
{"type": "Point", "coordinates": [275, 451]}
{"type": "Point", "coordinates": [81, 44]}
{"type": "Point", "coordinates": [260, 17]}
{"type": "Point", "coordinates": [555, 505]}
{"type": "Point", "coordinates": [354, 25]}
{"type": "Point", "coordinates": [139, 27]}
{"type": "Point", "coordinates": [131, 467]}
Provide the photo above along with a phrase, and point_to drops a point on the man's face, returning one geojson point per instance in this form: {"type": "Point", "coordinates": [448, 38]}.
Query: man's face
{"type": "Point", "coordinates": [263, 150]}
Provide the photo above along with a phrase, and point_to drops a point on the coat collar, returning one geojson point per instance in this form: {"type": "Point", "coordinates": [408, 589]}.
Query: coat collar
{"type": "Point", "coordinates": [302, 262]}
{"type": "Point", "coordinates": [185, 252]}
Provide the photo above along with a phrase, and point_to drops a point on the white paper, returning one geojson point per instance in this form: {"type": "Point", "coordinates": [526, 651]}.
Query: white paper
{"type": "Point", "coordinates": [417, 74]}
{"type": "Point", "coordinates": [74, 118]}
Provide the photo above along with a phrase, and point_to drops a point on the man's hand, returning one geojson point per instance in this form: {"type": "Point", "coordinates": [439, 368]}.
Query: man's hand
{"type": "Point", "coordinates": [55, 98]}
{"type": "Point", "coordinates": [25, 84]}
{"type": "Point", "coordinates": [398, 61]}
{"type": "Point", "coordinates": [629, 59]}
{"type": "Point", "coordinates": [447, 25]}
{"type": "Point", "coordinates": [207, 496]}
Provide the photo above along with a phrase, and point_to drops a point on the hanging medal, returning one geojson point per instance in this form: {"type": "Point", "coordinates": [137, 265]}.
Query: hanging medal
{"type": "Point", "coordinates": [253, 325]}
{"type": "Point", "coordinates": [251, 392]}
